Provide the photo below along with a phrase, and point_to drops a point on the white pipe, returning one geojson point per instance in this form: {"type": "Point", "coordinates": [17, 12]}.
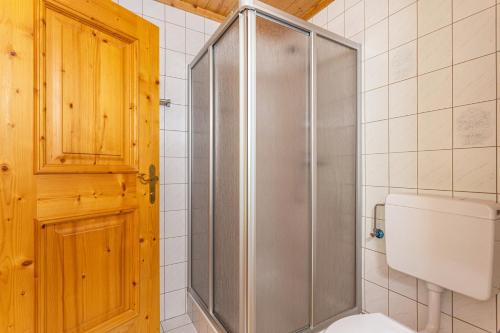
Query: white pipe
{"type": "Point", "coordinates": [434, 308]}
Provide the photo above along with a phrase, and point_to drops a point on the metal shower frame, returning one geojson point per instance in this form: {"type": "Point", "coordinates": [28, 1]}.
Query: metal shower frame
{"type": "Point", "coordinates": [247, 12]}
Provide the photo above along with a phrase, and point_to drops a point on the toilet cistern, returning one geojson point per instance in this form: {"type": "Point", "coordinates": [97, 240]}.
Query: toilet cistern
{"type": "Point", "coordinates": [449, 243]}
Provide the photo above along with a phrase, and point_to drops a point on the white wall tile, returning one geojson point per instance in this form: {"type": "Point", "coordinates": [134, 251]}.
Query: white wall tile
{"type": "Point", "coordinates": [376, 269]}
{"type": "Point", "coordinates": [479, 313]}
{"type": "Point", "coordinates": [403, 26]}
{"type": "Point", "coordinates": [195, 22]}
{"type": "Point", "coordinates": [350, 3]}
{"type": "Point", "coordinates": [435, 50]}
{"type": "Point", "coordinates": [335, 9]}
{"type": "Point", "coordinates": [175, 250]}
{"type": "Point", "coordinates": [403, 98]}
{"type": "Point", "coordinates": [474, 36]}
{"type": "Point", "coordinates": [435, 90]}
{"type": "Point", "coordinates": [435, 170]}
{"type": "Point", "coordinates": [175, 170]}
{"type": "Point", "coordinates": [162, 252]}
{"type": "Point", "coordinates": [474, 170]}
{"type": "Point", "coordinates": [176, 117]}
{"type": "Point", "coordinates": [376, 39]}
{"type": "Point", "coordinates": [162, 307]}
{"type": "Point", "coordinates": [336, 25]}
{"type": "Point", "coordinates": [403, 134]}
{"type": "Point", "coordinates": [194, 41]}
{"type": "Point", "coordinates": [474, 125]}
{"type": "Point", "coordinates": [162, 143]}
{"type": "Point", "coordinates": [403, 309]}
{"type": "Point", "coordinates": [464, 8]}
{"type": "Point", "coordinates": [403, 170]}
{"type": "Point", "coordinates": [176, 322]}
{"type": "Point", "coordinates": [376, 298]}
{"type": "Point", "coordinates": [162, 279]}
{"type": "Point", "coordinates": [175, 223]}
{"type": "Point", "coordinates": [376, 134]}
{"type": "Point", "coordinates": [175, 277]}
{"type": "Point", "coordinates": [474, 81]}
{"type": "Point", "coordinates": [154, 9]}
{"type": "Point", "coordinates": [355, 19]}
{"type": "Point", "coordinates": [463, 327]}
{"type": "Point", "coordinates": [375, 11]}
{"type": "Point", "coordinates": [175, 37]}
{"type": "Point", "coordinates": [321, 18]}
{"type": "Point", "coordinates": [132, 5]}
{"type": "Point", "coordinates": [403, 62]}
{"type": "Point", "coordinates": [175, 196]}
{"type": "Point", "coordinates": [435, 130]}
{"type": "Point", "coordinates": [162, 61]}
{"type": "Point", "coordinates": [403, 284]}
{"type": "Point", "coordinates": [377, 169]}
{"type": "Point", "coordinates": [396, 5]}
{"type": "Point", "coordinates": [211, 26]}
{"type": "Point", "coordinates": [175, 89]}
{"type": "Point", "coordinates": [175, 16]}
{"type": "Point", "coordinates": [433, 15]}
{"type": "Point", "coordinates": [175, 64]}
{"type": "Point", "coordinates": [376, 72]}
{"type": "Point", "coordinates": [376, 104]}
{"type": "Point", "coordinates": [175, 303]}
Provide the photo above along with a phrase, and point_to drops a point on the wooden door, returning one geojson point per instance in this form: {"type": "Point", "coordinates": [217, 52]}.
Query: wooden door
{"type": "Point", "coordinates": [80, 250]}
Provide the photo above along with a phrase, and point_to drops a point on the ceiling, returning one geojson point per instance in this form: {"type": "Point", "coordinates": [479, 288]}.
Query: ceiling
{"type": "Point", "coordinates": [219, 9]}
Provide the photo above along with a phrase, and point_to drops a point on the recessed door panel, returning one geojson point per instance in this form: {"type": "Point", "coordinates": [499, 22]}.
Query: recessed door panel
{"type": "Point", "coordinates": [282, 179]}
{"type": "Point", "coordinates": [90, 97]}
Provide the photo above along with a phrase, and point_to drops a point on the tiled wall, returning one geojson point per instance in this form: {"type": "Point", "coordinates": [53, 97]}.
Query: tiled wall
{"type": "Point", "coordinates": [430, 127]}
{"type": "Point", "coordinates": [181, 37]}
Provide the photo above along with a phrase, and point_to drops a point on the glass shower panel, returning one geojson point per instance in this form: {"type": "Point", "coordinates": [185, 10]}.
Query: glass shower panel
{"type": "Point", "coordinates": [200, 171]}
{"type": "Point", "coordinates": [226, 180]}
{"type": "Point", "coordinates": [282, 178]}
{"type": "Point", "coordinates": [335, 236]}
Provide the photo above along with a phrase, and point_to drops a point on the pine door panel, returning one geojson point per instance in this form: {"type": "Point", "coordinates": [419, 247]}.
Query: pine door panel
{"type": "Point", "coordinates": [90, 272]}
{"type": "Point", "coordinates": [97, 132]}
{"type": "Point", "coordinates": [89, 118]}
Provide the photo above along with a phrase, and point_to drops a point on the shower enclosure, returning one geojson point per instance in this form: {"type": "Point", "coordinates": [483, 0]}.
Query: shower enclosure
{"type": "Point", "coordinates": [274, 196]}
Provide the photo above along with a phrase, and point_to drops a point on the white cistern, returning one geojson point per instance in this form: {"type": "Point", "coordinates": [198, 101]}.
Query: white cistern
{"type": "Point", "coordinates": [446, 242]}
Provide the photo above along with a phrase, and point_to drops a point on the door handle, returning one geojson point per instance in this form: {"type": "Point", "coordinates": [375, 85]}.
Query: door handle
{"type": "Point", "coordinates": [153, 178]}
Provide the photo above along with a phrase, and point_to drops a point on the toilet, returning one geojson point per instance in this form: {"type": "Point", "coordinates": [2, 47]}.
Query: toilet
{"type": "Point", "coordinates": [449, 243]}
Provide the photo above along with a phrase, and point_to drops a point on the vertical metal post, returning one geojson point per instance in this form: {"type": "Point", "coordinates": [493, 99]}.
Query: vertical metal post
{"type": "Point", "coordinates": [251, 96]}
{"type": "Point", "coordinates": [243, 174]}
{"type": "Point", "coordinates": [190, 172]}
{"type": "Point", "coordinates": [211, 188]}
{"type": "Point", "coordinates": [359, 198]}
{"type": "Point", "coordinates": [313, 165]}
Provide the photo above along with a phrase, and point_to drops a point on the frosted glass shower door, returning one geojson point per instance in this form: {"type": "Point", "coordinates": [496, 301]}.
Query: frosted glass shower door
{"type": "Point", "coordinates": [226, 225]}
{"type": "Point", "coordinates": [200, 178]}
{"type": "Point", "coordinates": [282, 179]}
{"type": "Point", "coordinates": [335, 227]}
